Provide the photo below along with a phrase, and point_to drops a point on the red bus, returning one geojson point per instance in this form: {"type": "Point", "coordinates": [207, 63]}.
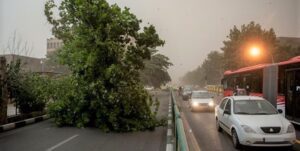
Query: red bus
{"type": "Point", "coordinates": [277, 82]}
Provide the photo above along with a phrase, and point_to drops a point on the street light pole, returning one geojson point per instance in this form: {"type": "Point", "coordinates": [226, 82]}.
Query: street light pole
{"type": "Point", "coordinates": [42, 63]}
{"type": "Point", "coordinates": [272, 57]}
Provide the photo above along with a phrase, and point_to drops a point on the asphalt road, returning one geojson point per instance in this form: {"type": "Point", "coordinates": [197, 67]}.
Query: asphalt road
{"type": "Point", "coordinates": [203, 127]}
{"type": "Point", "coordinates": [45, 136]}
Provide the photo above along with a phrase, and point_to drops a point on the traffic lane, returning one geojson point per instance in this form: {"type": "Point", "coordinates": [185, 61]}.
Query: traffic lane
{"type": "Point", "coordinates": [46, 136]}
{"type": "Point", "coordinates": [297, 127]}
{"type": "Point", "coordinates": [163, 98]}
{"type": "Point", "coordinates": [297, 146]}
{"type": "Point", "coordinates": [35, 137]}
{"type": "Point", "coordinates": [203, 127]}
{"type": "Point", "coordinates": [94, 140]}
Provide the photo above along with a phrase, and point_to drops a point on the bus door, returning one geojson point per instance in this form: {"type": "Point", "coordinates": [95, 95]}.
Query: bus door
{"type": "Point", "coordinates": [293, 95]}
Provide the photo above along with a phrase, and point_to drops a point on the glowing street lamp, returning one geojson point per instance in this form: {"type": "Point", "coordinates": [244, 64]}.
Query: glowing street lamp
{"type": "Point", "coordinates": [254, 51]}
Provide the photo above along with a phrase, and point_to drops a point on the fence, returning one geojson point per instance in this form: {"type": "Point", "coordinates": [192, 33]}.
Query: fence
{"type": "Point", "coordinates": [180, 137]}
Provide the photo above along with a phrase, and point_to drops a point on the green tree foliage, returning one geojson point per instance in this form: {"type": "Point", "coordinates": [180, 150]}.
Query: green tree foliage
{"type": "Point", "coordinates": [29, 91]}
{"type": "Point", "coordinates": [53, 63]}
{"type": "Point", "coordinates": [236, 48]}
{"type": "Point", "coordinates": [235, 53]}
{"type": "Point", "coordinates": [155, 72]}
{"type": "Point", "coordinates": [286, 51]}
{"type": "Point", "coordinates": [105, 50]}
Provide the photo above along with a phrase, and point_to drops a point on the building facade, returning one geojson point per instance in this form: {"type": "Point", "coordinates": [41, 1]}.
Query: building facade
{"type": "Point", "coordinates": [53, 44]}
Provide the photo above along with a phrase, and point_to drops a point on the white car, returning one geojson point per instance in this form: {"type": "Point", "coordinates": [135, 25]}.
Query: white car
{"type": "Point", "coordinates": [253, 121]}
{"type": "Point", "coordinates": [149, 88]}
{"type": "Point", "coordinates": [201, 100]}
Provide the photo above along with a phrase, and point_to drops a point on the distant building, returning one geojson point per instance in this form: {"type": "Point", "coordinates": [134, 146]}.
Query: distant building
{"type": "Point", "coordinates": [27, 63]}
{"type": "Point", "coordinates": [291, 41]}
{"type": "Point", "coordinates": [30, 64]}
{"type": "Point", "coordinates": [53, 44]}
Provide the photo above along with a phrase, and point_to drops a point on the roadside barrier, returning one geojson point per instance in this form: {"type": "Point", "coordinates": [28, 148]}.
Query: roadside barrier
{"type": "Point", "coordinates": [22, 123]}
{"type": "Point", "coordinates": [179, 133]}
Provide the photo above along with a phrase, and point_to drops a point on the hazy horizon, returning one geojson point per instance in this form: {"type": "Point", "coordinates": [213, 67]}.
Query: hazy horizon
{"type": "Point", "coordinates": [190, 28]}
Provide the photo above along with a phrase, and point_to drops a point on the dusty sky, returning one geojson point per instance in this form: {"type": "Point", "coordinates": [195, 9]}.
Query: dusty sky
{"type": "Point", "coordinates": [191, 28]}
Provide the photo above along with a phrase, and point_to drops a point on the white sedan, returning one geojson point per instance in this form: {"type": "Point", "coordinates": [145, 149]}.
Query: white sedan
{"type": "Point", "coordinates": [253, 121]}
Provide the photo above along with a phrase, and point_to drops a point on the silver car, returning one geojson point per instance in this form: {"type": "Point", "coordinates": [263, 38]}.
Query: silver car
{"type": "Point", "coordinates": [201, 100]}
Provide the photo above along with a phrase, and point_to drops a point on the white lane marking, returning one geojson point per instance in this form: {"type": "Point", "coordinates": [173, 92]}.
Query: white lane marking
{"type": "Point", "coordinates": [169, 122]}
{"type": "Point", "coordinates": [169, 133]}
{"type": "Point", "coordinates": [169, 147]}
{"type": "Point", "coordinates": [61, 143]}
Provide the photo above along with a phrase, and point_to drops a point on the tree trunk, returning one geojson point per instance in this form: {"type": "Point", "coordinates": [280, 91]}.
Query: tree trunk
{"type": "Point", "coordinates": [4, 96]}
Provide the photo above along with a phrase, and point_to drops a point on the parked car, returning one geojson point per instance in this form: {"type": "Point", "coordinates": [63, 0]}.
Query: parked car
{"type": "Point", "coordinates": [149, 88]}
{"type": "Point", "coordinates": [186, 93]}
{"type": "Point", "coordinates": [253, 121]}
{"type": "Point", "coordinates": [201, 100]}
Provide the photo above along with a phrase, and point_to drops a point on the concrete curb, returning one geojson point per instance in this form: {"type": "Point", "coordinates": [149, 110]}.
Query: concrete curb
{"type": "Point", "coordinates": [22, 123]}
{"type": "Point", "coordinates": [170, 136]}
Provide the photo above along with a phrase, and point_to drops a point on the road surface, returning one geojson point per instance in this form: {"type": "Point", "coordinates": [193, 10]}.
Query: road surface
{"type": "Point", "coordinates": [45, 136]}
{"type": "Point", "coordinates": [203, 127]}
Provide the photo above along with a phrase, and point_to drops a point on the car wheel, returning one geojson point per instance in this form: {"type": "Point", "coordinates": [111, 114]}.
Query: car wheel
{"type": "Point", "coordinates": [235, 140]}
{"type": "Point", "coordinates": [218, 126]}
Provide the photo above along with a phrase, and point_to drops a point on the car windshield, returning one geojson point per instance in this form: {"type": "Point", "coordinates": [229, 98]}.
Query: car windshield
{"type": "Point", "coordinates": [201, 95]}
{"type": "Point", "coordinates": [253, 107]}
{"type": "Point", "coordinates": [187, 89]}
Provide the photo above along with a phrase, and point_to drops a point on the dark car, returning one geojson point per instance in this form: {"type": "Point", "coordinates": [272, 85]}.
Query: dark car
{"type": "Point", "coordinates": [186, 93]}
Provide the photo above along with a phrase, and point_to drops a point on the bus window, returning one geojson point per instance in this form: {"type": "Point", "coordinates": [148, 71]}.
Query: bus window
{"type": "Point", "coordinates": [230, 83]}
{"type": "Point", "coordinates": [224, 83]}
{"type": "Point", "coordinates": [281, 89]}
{"type": "Point", "coordinates": [256, 83]}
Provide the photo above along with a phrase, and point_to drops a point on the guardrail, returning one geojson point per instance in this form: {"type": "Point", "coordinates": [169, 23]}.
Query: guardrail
{"type": "Point", "coordinates": [180, 137]}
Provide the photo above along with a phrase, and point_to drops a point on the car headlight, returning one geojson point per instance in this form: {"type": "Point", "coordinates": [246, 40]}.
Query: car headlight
{"type": "Point", "coordinates": [248, 129]}
{"type": "Point", "coordinates": [211, 103]}
{"type": "Point", "coordinates": [290, 129]}
{"type": "Point", "coordinates": [194, 104]}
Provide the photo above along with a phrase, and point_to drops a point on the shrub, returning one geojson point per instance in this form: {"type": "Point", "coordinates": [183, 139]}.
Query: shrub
{"type": "Point", "coordinates": [29, 90]}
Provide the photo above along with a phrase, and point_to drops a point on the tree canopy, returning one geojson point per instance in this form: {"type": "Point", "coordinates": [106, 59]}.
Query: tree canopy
{"type": "Point", "coordinates": [210, 72]}
{"type": "Point", "coordinates": [235, 54]}
{"type": "Point", "coordinates": [236, 48]}
{"type": "Point", "coordinates": [155, 72]}
{"type": "Point", "coordinates": [105, 48]}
